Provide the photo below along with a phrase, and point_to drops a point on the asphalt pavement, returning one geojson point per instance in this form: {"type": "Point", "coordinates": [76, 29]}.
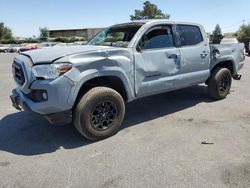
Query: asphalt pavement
{"type": "Point", "coordinates": [159, 144]}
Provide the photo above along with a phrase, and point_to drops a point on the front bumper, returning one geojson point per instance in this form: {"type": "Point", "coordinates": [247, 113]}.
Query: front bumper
{"type": "Point", "coordinates": [55, 109]}
{"type": "Point", "coordinates": [18, 102]}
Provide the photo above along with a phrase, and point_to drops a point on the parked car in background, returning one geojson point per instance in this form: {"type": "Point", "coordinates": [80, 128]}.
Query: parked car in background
{"type": "Point", "coordinates": [60, 44]}
{"type": "Point", "coordinates": [229, 41]}
{"type": "Point", "coordinates": [47, 45]}
{"type": "Point", "coordinates": [3, 48]}
{"type": "Point", "coordinates": [28, 47]}
{"type": "Point", "coordinates": [14, 48]}
{"type": "Point", "coordinates": [249, 48]}
{"type": "Point", "coordinates": [80, 43]}
{"type": "Point", "coordinates": [70, 44]}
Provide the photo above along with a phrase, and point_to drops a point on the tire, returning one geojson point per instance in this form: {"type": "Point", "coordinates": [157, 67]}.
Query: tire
{"type": "Point", "coordinates": [5, 51]}
{"type": "Point", "coordinates": [99, 113]}
{"type": "Point", "coordinates": [219, 83]}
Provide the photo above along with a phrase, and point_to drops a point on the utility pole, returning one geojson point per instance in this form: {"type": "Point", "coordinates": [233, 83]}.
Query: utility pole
{"type": "Point", "coordinates": [243, 23]}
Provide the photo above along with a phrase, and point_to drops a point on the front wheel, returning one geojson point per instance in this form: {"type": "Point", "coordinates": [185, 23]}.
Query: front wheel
{"type": "Point", "coordinates": [99, 113]}
{"type": "Point", "coordinates": [219, 84]}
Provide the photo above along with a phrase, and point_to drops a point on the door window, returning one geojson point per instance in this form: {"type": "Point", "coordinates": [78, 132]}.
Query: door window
{"type": "Point", "coordinates": [189, 35]}
{"type": "Point", "coordinates": [157, 37]}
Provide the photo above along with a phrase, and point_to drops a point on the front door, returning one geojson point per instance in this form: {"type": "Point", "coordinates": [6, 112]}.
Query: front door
{"type": "Point", "coordinates": [157, 61]}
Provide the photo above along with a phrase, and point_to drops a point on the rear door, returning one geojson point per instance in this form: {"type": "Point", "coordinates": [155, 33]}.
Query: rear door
{"type": "Point", "coordinates": [195, 54]}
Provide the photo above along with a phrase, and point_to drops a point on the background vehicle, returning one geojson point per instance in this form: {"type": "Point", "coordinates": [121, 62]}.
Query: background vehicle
{"type": "Point", "coordinates": [90, 84]}
{"type": "Point", "coordinates": [249, 48]}
{"type": "Point", "coordinates": [229, 41]}
{"type": "Point", "coordinates": [47, 45]}
{"type": "Point", "coordinates": [3, 48]}
{"type": "Point", "coordinates": [28, 47]}
{"type": "Point", "coordinates": [60, 44]}
{"type": "Point", "coordinates": [80, 43]}
{"type": "Point", "coordinates": [13, 48]}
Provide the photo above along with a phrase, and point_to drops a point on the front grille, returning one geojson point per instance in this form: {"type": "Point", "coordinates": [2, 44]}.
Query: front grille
{"type": "Point", "coordinates": [18, 73]}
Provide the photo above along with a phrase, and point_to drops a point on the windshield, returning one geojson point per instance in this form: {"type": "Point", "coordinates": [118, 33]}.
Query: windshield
{"type": "Point", "coordinates": [118, 36]}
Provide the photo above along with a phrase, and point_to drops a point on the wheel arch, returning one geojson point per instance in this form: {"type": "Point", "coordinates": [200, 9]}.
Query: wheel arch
{"type": "Point", "coordinates": [112, 79]}
{"type": "Point", "coordinates": [225, 64]}
{"type": "Point", "coordinates": [113, 82]}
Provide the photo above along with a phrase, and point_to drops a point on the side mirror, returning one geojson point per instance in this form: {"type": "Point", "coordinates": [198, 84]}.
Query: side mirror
{"type": "Point", "coordinates": [139, 49]}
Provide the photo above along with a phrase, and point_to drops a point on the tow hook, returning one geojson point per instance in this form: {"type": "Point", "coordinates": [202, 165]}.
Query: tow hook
{"type": "Point", "coordinates": [237, 77]}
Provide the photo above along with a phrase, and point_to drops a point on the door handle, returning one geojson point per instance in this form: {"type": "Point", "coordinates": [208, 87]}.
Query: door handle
{"type": "Point", "coordinates": [203, 55]}
{"type": "Point", "coordinates": [173, 56]}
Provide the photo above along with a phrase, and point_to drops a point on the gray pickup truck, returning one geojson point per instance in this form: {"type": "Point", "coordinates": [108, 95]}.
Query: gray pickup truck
{"type": "Point", "coordinates": [89, 85]}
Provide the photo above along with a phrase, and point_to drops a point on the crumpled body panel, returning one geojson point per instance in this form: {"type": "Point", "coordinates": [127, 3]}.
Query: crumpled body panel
{"type": "Point", "coordinates": [118, 62]}
{"type": "Point", "coordinates": [228, 52]}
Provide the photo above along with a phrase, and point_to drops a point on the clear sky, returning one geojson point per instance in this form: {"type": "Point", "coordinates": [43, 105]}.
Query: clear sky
{"type": "Point", "coordinates": [24, 17]}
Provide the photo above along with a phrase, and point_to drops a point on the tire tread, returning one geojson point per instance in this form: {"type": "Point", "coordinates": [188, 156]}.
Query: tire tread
{"type": "Point", "coordinates": [86, 100]}
{"type": "Point", "coordinates": [213, 81]}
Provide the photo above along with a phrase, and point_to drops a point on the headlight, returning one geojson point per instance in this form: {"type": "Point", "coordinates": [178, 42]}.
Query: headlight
{"type": "Point", "coordinates": [51, 71]}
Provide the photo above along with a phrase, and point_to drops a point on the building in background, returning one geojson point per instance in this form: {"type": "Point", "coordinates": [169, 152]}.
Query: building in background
{"type": "Point", "coordinates": [229, 35]}
{"type": "Point", "coordinates": [85, 33]}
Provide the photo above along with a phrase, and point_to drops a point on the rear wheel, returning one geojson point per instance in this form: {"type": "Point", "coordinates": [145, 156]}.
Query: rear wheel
{"type": "Point", "coordinates": [99, 113]}
{"type": "Point", "coordinates": [219, 84]}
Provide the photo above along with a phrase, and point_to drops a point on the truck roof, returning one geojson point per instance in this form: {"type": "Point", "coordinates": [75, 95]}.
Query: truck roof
{"type": "Point", "coordinates": [150, 21]}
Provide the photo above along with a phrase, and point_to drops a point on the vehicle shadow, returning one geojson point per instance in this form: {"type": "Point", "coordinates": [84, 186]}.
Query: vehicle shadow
{"type": "Point", "coordinates": [156, 106]}
{"type": "Point", "coordinates": [28, 134]}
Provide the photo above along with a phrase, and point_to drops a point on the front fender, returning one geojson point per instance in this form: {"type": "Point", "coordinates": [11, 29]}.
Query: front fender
{"type": "Point", "coordinates": [87, 75]}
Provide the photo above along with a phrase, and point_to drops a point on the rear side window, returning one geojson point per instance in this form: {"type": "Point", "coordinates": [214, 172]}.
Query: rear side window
{"type": "Point", "coordinates": [189, 35]}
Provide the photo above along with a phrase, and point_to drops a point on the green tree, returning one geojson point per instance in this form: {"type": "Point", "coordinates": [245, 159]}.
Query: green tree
{"type": "Point", "coordinates": [5, 32]}
{"type": "Point", "coordinates": [1, 30]}
{"type": "Point", "coordinates": [243, 32]}
{"type": "Point", "coordinates": [217, 31]}
{"type": "Point", "coordinates": [216, 35]}
{"type": "Point", "coordinates": [44, 33]}
{"type": "Point", "coordinates": [150, 11]}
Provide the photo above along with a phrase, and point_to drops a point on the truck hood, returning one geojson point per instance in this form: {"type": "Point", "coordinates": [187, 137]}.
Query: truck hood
{"type": "Point", "coordinates": [49, 55]}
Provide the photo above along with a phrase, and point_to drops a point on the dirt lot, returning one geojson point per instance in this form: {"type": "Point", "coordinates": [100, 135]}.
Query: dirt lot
{"type": "Point", "coordinates": [159, 144]}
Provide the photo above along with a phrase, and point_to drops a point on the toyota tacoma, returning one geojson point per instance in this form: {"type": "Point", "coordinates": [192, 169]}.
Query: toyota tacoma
{"type": "Point", "coordinates": [89, 85]}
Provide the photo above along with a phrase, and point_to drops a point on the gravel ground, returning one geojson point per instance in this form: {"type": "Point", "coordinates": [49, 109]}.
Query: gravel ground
{"type": "Point", "coordinates": [159, 144]}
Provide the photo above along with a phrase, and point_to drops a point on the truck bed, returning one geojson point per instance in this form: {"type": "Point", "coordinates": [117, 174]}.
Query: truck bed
{"type": "Point", "coordinates": [228, 52]}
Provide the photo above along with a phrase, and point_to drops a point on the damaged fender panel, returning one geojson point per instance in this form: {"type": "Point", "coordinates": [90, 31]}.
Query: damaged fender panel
{"type": "Point", "coordinates": [113, 62]}
{"type": "Point", "coordinates": [228, 52]}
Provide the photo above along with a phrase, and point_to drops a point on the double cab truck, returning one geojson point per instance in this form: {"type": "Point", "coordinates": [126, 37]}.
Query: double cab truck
{"type": "Point", "coordinates": [89, 85]}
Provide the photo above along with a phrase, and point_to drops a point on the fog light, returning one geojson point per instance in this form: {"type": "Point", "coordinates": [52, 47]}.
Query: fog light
{"type": "Point", "coordinates": [38, 95]}
{"type": "Point", "coordinates": [45, 96]}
